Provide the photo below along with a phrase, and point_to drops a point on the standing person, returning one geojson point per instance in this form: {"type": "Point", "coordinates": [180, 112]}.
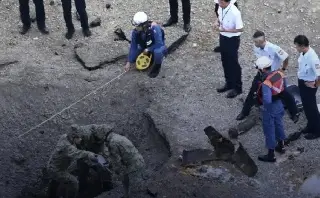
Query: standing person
{"type": "Point", "coordinates": [25, 16]}
{"type": "Point", "coordinates": [280, 61]}
{"type": "Point", "coordinates": [81, 9]}
{"type": "Point", "coordinates": [216, 8]}
{"type": "Point", "coordinates": [269, 94]}
{"type": "Point", "coordinates": [186, 8]}
{"type": "Point", "coordinates": [230, 27]}
{"type": "Point", "coordinates": [308, 81]}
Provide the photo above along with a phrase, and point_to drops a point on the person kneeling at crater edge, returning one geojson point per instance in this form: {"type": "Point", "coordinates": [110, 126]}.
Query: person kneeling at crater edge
{"type": "Point", "coordinates": [147, 37]}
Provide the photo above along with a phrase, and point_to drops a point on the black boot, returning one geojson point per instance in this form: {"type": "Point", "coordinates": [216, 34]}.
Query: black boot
{"type": "Point", "coordinates": [223, 89]}
{"type": "Point", "coordinates": [86, 32]}
{"type": "Point", "coordinates": [241, 116]}
{"type": "Point", "coordinates": [234, 93]}
{"type": "Point", "coordinates": [295, 118]}
{"type": "Point", "coordinates": [25, 29]}
{"type": "Point", "coordinates": [217, 49]}
{"type": "Point", "coordinates": [269, 157]}
{"type": "Point", "coordinates": [280, 147]}
{"type": "Point", "coordinates": [43, 29]}
{"type": "Point", "coordinates": [70, 33]}
{"type": "Point", "coordinates": [170, 22]}
{"type": "Point", "coordinates": [187, 27]}
{"type": "Point", "coordinates": [155, 70]}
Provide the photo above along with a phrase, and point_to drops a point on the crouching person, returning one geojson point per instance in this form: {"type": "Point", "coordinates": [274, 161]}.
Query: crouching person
{"type": "Point", "coordinates": [126, 160]}
{"type": "Point", "coordinates": [63, 156]}
{"type": "Point", "coordinates": [147, 37]}
{"type": "Point", "coordinates": [269, 96]}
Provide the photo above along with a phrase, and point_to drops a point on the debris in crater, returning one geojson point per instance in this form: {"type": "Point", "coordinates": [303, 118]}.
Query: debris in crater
{"type": "Point", "coordinates": [108, 5]}
{"type": "Point", "coordinates": [95, 23]}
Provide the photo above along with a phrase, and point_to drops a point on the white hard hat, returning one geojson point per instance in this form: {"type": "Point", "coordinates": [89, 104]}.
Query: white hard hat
{"type": "Point", "coordinates": [263, 62]}
{"type": "Point", "coordinates": [139, 18]}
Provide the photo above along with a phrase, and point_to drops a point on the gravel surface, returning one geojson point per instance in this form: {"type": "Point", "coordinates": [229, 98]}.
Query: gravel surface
{"type": "Point", "coordinates": [183, 100]}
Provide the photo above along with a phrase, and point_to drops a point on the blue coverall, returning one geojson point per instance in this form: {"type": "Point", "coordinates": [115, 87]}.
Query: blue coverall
{"type": "Point", "coordinates": [158, 48]}
{"type": "Point", "coordinates": [272, 118]}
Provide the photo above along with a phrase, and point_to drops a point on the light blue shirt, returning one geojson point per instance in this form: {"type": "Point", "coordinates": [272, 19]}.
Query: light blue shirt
{"type": "Point", "coordinates": [274, 52]}
{"type": "Point", "coordinates": [309, 66]}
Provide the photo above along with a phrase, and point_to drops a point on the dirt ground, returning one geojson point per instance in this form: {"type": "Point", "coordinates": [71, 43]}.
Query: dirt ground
{"type": "Point", "coordinates": [182, 100]}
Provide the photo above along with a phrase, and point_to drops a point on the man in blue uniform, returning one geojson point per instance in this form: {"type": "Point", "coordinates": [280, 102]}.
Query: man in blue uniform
{"type": "Point", "coordinates": [269, 94]}
{"type": "Point", "coordinates": [147, 37]}
{"type": "Point", "coordinates": [308, 75]}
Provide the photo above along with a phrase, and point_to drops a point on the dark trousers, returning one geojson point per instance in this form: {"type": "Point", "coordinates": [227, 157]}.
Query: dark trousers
{"type": "Point", "coordinates": [81, 9]}
{"type": "Point", "coordinates": [216, 7]}
{"type": "Point", "coordinates": [186, 8]}
{"type": "Point", "coordinates": [25, 12]}
{"type": "Point", "coordinates": [309, 102]}
{"type": "Point", "coordinates": [229, 57]}
{"type": "Point", "coordinates": [287, 99]}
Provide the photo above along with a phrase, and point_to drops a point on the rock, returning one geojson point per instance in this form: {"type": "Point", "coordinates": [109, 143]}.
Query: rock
{"type": "Point", "coordinates": [300, 149]}
{"type": "Point", "coordinates": [51, 2]}
{"type": "Point", "coordinates": [108, 5]}
{"type": "Point", "coordinates": [6, 62]}
{"type": "Point", "coordinates": [96, 22]}
{"type": "Point", "coordinates": [194, 45]}
{"type": "Point", "coordinates": [311, 185]}
{"type": "Point", "coordinates": [56, 53]}
{"type": "Point", "coordinates": [18, 158]}
{"type": "Point", "coordinates": [245, 125]}
{"type": "Point", "coordinates": [95, 55]}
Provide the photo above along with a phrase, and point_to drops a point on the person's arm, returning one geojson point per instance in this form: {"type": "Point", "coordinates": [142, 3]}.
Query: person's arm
{"type": "Point", "coordinates": [133, 48]}
{"type": "Point", "coordinates": [283, 56]}
{"type": "Point", "coordinates": [315, 65]}
{"type": "Point", "coordinates": [76, 154]}
{"type": "Point", "coordinates": [238, 22]}
{"type": "Point", "coordinates": [158, 42]}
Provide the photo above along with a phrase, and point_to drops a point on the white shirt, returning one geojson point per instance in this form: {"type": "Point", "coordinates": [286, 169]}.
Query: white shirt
{"type": "Point", "coordinates": [232, 1]}
{"type": "Point", "coordinates": [309, 66]}
{"type": "Point", "coordinates": [274, 52]}
{"type": "Point", "coordinates": [230, 18]}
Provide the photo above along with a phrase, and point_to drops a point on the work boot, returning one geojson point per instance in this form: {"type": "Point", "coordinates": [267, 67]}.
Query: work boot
{"type": "Point", "coordinates": [217, 49]}
{"type": "Point", "coordinates": [155, 70]}
{"type": "Point", "coordinates": [295, 118]}
{"type": "Point", "coordinates": [234, 93]}
{"type": "Point", "coordinates": [86, 32]}
{"type": "Point", "coordinates": [187, 27]}
{"type": "Point", "coordinates": [268, 157]}
{"type": "Point", "coordinates": [241, 116]}
{"type": "Point", "coordinates": [70, 33]}
{"type": "Point", "coordinates": [43, 30]}
{"type": "Point", "coordinates": [25, 29]}
{"type": "Point", "coordinates": [223, 89]}
{"type": "Point", "coordinates": [170, 22]}
{"type": "Point", "coordinates": [280, 147]}
{"type": "Point", "coordinates": [312, 136]}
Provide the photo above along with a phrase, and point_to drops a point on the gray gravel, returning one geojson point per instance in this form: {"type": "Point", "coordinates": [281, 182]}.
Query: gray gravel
{"type": "Point", "coordinates": [47, 78]}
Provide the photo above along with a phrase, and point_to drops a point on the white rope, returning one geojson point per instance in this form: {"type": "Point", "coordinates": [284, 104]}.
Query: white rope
{"type": "Point", "coordinates": [68, 107]}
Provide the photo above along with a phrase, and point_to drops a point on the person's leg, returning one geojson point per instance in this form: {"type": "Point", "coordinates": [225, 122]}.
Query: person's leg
{"type": "Point", "coordinates": [270, 139]}
{"type": "Point", "coordinates": [24, 16]}
{"type": "Point", "coordinates": [81, 9]}
{"type": "Point", "coordinates": [234, 68]}
{"type": "Point", "coordinates": [66, 6]}
{"type": "Point", "coordinates": [40, 15]}
{"type": "Point", "coordinates": [290, 103]}
{"type": "Point", "coordinates": [186, 8]}
{"type": "Point", "coordinates": [279, 132]}
{"type": "Point", "coordinates": [173, 13]}
{"type": "Point", "coordinates": [225, 62]}
{"type": "Point", "coordinates": [158, 54]}
{"type": "Point", "coordinates": [250, 99]}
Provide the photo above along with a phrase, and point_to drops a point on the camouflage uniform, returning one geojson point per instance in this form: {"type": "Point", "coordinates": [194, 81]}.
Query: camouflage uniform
{"type": "Point", "coordinates": [59, 163]}
{"type": "Point", "coordinates": [124, 157]}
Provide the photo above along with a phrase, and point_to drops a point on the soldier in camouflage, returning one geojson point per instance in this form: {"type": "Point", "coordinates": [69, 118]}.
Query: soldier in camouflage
{"type": "Point", "coordinates": [125, 160]}
{"type": "Point", "coordinates": [65, 154]}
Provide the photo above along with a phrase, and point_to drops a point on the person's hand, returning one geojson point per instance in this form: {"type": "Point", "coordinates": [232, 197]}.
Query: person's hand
{"type": "Point", "coordinates": [310, 84]}
{"type": "Point", "coordinates": [221, 29]}
{"type": "Point", "coordinates": [145, 52]}
{"type": "Point", "coordinates": [127, 67]}
{"type": "Point", "coordinates": [216, 25]}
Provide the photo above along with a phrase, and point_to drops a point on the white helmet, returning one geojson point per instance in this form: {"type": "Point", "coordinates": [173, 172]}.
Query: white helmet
{"type": "Point", "coordinates": [263, 62]}
{"type": "Point", "coordinates": [139, 18]}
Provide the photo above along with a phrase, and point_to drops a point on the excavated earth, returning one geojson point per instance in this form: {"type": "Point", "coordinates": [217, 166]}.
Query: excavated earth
{"type": "Point", "coordinates": [40, 75]}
